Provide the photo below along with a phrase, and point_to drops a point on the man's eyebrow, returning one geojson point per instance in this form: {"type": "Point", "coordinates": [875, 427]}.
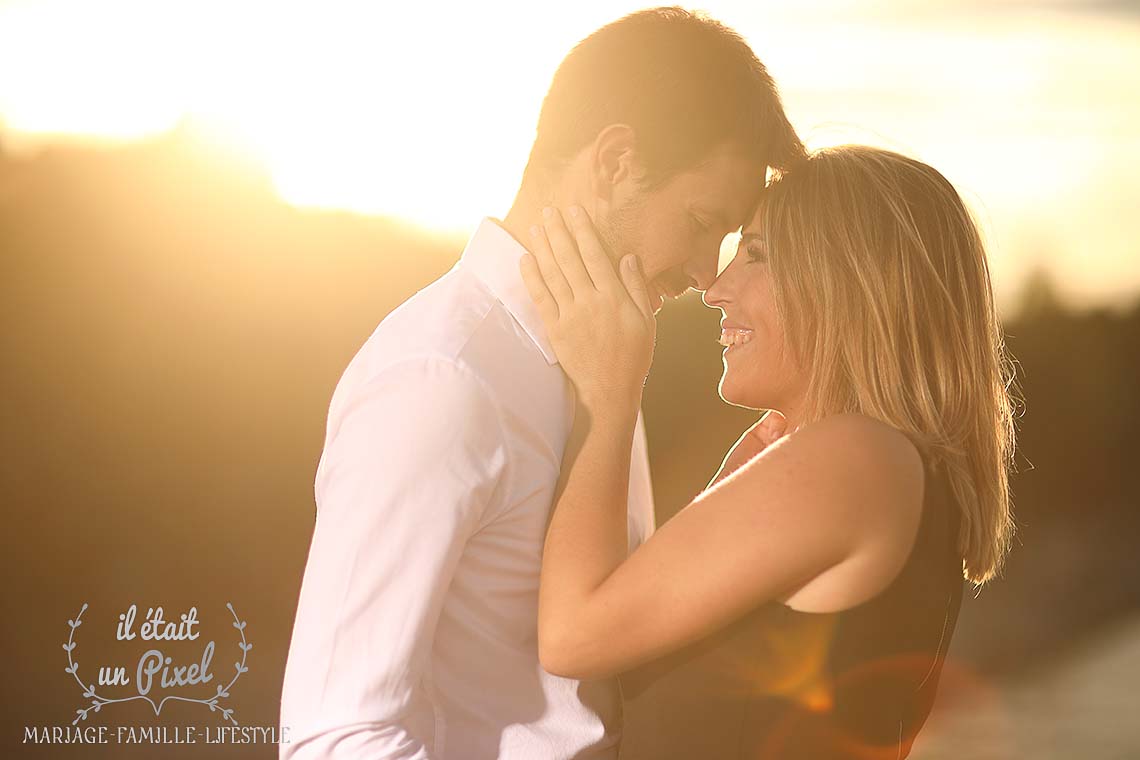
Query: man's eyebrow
{"type": "Point", "coordinates": [715, 217]}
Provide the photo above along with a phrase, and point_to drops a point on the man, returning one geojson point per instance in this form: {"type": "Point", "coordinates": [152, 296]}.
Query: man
{"type": "Point", "coordinates": [415, 634]}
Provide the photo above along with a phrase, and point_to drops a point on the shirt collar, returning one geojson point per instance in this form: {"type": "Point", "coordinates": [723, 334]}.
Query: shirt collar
{"type": "Point", "coordinates": [492, 254]}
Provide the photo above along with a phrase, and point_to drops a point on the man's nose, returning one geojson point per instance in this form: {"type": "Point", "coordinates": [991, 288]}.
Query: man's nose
{"type": "Point", "coordinates": [701, 270]}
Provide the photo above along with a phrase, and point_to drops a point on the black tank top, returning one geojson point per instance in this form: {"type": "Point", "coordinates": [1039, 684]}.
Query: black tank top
{"type": "Point", "coordinates": [780, 683]}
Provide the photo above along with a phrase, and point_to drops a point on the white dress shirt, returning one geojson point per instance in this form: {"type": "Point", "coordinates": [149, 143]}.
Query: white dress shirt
{"type": "Point", "coordinates": [416, 627]}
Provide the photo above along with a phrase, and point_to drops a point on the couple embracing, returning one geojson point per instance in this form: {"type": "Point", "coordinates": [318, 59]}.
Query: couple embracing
{"type": "Point", "coordinates": [486, 579]}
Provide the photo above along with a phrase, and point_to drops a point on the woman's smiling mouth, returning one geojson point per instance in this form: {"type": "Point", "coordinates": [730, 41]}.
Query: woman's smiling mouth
{"type": "Point", "coordinates": [732, 335]}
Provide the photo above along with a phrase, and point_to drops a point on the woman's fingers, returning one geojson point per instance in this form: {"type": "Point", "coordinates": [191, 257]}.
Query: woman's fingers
{"type": "Point", "coordinates": [551, 273]}
{"type": "Point", "coordinates": [634, 280]}
{"type": "Point", "coordinates": [594, 255]}
{"type": "Point", "coordinates": [539, 293]}
{"type": "Point", "coordinates": [566, 251]}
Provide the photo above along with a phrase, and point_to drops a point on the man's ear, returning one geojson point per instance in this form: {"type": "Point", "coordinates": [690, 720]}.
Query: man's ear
{"type": "Point", "coordinates": [613, 160]}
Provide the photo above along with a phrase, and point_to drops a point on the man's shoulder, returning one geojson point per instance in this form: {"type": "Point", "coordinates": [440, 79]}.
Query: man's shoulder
{"type": "Point", "coordinates": [455, 322]}
{"type": "Point", "coordinates": [456, 316]}
{"type": "Point", "coordinates": [439, 319]}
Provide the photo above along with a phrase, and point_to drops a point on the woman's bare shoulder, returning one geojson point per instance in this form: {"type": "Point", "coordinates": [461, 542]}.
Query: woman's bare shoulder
{"type": "Point", "coordinates": [861, 442]}
{"type": "Point", "coordinates": [875, 474]}
{"type": "Point", "coordinates": [870, 473]}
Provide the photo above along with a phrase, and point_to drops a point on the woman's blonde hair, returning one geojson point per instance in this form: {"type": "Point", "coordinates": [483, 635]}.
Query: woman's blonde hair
{"type": "Point", "coordinates": [881, 283]}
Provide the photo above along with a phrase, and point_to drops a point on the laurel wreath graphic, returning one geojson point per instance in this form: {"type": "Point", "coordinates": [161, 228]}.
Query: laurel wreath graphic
{"type": "Point", "coordinates": [97, 701]}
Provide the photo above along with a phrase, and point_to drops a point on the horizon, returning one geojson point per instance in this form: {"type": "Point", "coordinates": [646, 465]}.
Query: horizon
{"type": "Point", "coordinates": [1017, 103]}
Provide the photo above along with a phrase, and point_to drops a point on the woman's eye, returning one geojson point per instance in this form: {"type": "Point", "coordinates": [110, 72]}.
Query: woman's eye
{"type": "Point", "coordinates": [756, 252]}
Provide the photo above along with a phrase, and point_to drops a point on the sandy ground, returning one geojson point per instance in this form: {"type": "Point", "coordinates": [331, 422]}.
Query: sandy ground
{"type": "Point", "coordinates": [1085, 705]}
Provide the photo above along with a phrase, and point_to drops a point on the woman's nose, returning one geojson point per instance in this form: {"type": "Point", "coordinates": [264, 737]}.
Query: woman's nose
{"type": "Point", "coordinates": [720, 291]}
{"type": "Point", "coordinates": [716, 294]}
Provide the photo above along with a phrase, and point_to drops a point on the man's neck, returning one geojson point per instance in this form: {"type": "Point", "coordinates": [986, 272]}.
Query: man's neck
{"type": "Point", "coordinates": [526, 211]}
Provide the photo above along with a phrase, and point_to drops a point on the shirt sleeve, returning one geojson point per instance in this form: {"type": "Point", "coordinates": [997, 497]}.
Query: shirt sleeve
{"type": "Point", "coordinates": [409, 470]}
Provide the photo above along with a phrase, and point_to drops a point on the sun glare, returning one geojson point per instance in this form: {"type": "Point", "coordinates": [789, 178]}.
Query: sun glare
{"type": "Point", "coordinates": [407, 110]}
{"type": "Point", "coordinates": [426, 112]}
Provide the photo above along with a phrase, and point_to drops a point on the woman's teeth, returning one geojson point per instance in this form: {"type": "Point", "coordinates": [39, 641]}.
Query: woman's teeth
{"type": "Point", "coordinates": [735, 336]}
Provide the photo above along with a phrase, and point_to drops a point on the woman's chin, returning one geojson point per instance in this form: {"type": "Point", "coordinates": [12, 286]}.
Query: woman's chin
{"type": "Point", "coordinates": [731, 392]}
{"type": "Point", "coordinates": [746, 385]}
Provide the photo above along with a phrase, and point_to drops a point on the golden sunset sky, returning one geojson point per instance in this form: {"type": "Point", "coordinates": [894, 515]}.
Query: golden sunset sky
{"type": "Point", "coordinates": [426, 111]}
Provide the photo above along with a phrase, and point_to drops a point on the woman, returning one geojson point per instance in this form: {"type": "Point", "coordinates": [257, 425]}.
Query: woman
{"type": "Point", "coordinates": [802, 605]}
